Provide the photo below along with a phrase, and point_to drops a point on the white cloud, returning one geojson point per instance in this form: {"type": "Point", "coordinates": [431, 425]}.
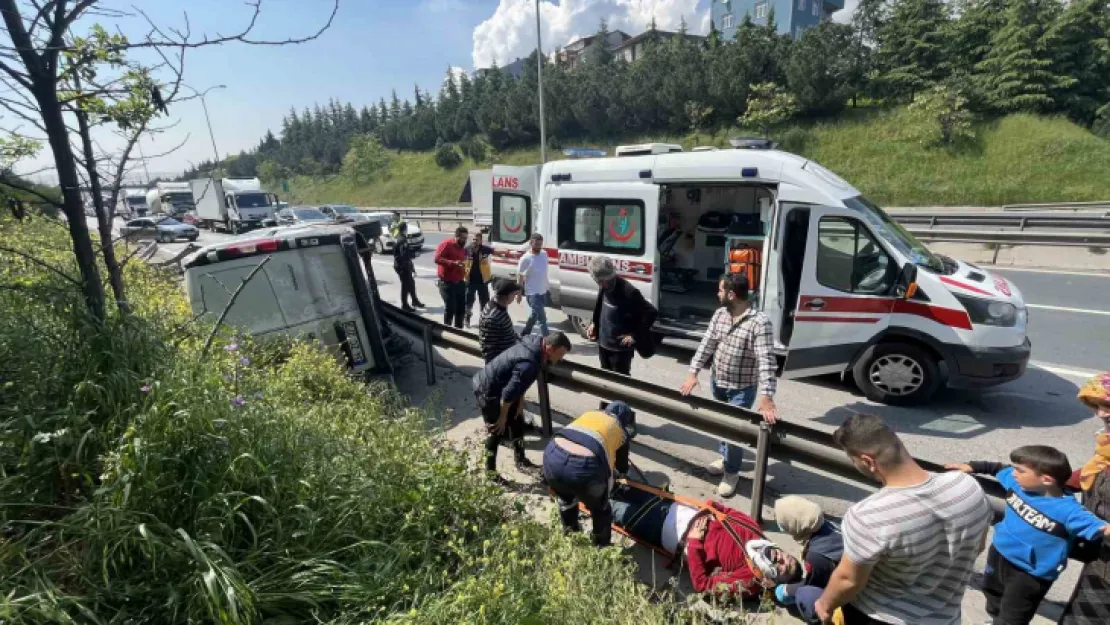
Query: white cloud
{"type": "Point", "coordinates": [844, 16]}
{"type": "Point", "coordinates": [456, 73]}
{"type": "Point", "coordinates": [511, 32]}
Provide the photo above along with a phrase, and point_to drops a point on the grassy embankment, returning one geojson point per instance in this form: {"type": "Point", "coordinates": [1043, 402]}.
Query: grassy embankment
{"type": "Point", "coordinates": [1020, 158]}
{"type": "Point", "coordinates": [142, 481]}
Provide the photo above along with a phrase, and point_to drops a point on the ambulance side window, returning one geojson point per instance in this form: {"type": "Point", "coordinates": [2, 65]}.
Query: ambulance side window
{"type": "Point", "coordinates": [849, 259]}
{"type": "Point", "coordinates": [512, 219]}
{"type": "Point", "coordinates": [615, 226]}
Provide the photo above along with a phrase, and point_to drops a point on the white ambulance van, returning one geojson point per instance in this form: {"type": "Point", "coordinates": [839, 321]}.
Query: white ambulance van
{"type": "Point", "coordinates": [849, 290]}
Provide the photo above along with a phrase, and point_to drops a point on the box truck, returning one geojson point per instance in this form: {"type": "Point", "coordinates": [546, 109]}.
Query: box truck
{"type": "Point", "coordinates": [234, 204]}
{"type": "Point", "coordinates": [171, 198]}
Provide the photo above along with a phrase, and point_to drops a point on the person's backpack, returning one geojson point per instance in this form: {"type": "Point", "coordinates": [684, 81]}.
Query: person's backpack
{"type": "Point", "coordinates": [645, 339]}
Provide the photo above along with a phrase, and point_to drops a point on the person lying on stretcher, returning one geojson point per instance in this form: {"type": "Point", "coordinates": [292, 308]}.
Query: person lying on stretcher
{"type": "Point", "coordinates": [726, 552]}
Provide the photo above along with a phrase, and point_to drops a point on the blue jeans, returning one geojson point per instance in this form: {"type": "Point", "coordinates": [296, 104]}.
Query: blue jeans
{"type": "Point", "coordinates": [743, 397]}
{"type": "Point", "coordinates": [576, 479]}
{"type": "Point", "coordinates": [805, 599]}
{"type": "Point", "coordinates": [539, 313]}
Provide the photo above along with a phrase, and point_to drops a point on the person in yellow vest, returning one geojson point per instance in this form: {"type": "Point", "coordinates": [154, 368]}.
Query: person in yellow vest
{"type": "Point", "coordinates": [478, 274]}
{"type": "Point", "coordinates": [580, 462]}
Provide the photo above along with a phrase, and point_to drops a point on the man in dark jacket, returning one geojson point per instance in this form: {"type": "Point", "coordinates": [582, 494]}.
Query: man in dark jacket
{"type": "Point", "coordinates": [403, 254]}
{"type": "Point", "coordinates": [495, 329]}
{"type": "Point", "coordinates": [622, 317]}
{"type": "Point", "coordinates": [500, 388]}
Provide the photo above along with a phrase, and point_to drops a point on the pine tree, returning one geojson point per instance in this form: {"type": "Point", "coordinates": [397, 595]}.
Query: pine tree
{"type": "Point", "coordinates": [912, 45]}
{"type": "Point", "coordinates": [817, 73]}
{"type": "Point", "coordinates": [1017, 74]}
{"type": "Point", "coordinates": [1079, 41]}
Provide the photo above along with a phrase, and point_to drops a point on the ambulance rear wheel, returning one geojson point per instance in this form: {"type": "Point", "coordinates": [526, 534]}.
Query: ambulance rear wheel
{"type": "Point", "coordinates": [580, 326]}
{"type": "Point", "coordinates": [898, 374]}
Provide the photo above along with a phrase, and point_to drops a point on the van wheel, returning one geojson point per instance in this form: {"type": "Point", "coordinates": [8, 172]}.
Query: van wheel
{"type": "Point", "coordinates": [580, 326]}
{"type": "Point", "coordinates": [898, 374]}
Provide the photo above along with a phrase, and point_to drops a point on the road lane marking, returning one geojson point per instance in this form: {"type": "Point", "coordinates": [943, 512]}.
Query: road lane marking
{"type": "Point", "coordinates": [1092, 274]}
{"type": "Point", "coordinates": [1061, 370]}
{"type": "Point", "coordinates": [1085, 311]}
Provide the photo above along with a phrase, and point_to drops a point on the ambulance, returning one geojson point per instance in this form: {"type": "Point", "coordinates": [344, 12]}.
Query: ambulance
{"type": "Point", "coordinates": [848, 289]}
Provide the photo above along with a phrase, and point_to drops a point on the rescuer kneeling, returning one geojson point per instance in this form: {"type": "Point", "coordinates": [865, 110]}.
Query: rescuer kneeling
{"type": "Point", "coordinates": [580, 461]}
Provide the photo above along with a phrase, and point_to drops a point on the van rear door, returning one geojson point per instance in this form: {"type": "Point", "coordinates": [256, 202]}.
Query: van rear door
{"type": "Point", "coordinates": [845, 295]}
{"type": "Point", "coordinates": [618, 220]}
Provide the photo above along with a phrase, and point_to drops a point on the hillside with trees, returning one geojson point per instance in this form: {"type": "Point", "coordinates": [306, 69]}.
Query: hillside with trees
{"type": "Point", "coordinates": [958, 66]}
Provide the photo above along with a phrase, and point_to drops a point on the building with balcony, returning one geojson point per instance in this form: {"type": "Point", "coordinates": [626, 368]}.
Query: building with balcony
{"type": "Point", "coordinates": [792, 17]}
{"type": "Point", "coordinates": [579, 49]}
{"type": "Point", "coordinates": [632, 49]}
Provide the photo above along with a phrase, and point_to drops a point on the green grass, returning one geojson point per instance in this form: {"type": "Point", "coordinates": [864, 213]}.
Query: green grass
{"type": "Point", "coordinates": [142, 481]}
{"type": "Point", "coordinates": [1017, 159]}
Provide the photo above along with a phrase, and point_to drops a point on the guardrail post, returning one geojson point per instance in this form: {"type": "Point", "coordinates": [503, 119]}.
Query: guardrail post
{"type": "Point", "coordinates": [429, 355]}
{"type": "Point", "coordinates": [758, 482]}
{"type": "Point", "coordinates": [545, 402]}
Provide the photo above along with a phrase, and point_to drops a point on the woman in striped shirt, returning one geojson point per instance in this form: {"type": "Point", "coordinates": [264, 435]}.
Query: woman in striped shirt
{"type": "Point", "coordinates": [495, 330]}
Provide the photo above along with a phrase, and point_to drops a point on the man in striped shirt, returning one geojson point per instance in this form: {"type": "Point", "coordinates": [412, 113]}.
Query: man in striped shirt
{"type": "Point", "coordinates": [741, 345]}
{"type": "Point", "coordinates": [495, 329]}
{"type": "Point", "coordinates": [909, 549]}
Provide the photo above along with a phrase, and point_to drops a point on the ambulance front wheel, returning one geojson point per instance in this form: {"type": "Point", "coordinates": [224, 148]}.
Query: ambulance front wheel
{"type": "Point", "coordinates": [580, 326]}
{"type": "Point", "coordinates": [897, 374]}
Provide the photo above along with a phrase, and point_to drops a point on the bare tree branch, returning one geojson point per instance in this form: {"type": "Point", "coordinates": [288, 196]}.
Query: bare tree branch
{"type": "Point", "coordinates": [8, 181]}
{"type": "Point", "coordinates": [230, 303]}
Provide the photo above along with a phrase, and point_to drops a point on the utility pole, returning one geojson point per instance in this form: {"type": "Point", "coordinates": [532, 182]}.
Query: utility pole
{"type": "Point", "coordinates": [539, 74]}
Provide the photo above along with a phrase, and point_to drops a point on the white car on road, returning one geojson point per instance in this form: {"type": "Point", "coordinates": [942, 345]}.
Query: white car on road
{"type": "Point", "coordinates": [386, 242]}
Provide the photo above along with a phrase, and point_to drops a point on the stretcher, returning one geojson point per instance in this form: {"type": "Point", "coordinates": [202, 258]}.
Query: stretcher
{"type": "Point", "coordinates": [703, 507]}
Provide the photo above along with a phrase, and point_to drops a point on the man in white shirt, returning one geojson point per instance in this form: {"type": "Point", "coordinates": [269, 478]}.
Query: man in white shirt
{"type": "Point", "coordinates": [533, 277]}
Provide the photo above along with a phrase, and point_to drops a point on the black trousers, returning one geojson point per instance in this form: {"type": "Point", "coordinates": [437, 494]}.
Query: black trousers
{"type": "Point", "coordinates": [408, 287]}
{"type": "Point", "coordinates": [852, 616]}
{"type": "Point", "coordinates": [583, 479]}
{"type": "Point", "coordinates": [1012, 594]}
{"type": "Point", "coordinates": [454, 302]}
{"type": "Point", "coordinates": [513, 432]}
{"type": "Point", "coordinates": [613, 360]}
{"type": "Point", "coordinates": [479, 290]}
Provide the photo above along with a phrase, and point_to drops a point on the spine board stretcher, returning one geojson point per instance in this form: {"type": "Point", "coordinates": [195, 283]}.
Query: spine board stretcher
{"type": "Point", "coordinates": [702, 506]}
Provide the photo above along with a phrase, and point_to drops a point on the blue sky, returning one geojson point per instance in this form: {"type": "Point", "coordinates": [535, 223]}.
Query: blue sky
{"type": "Point", "coordinates": [372, 47]}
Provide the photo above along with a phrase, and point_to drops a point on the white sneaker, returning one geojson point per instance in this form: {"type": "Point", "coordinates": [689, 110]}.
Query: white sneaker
{"type": "Point", "coordinates": [727, 487]}
{"type": "Point", "coordinates": [717, 467]}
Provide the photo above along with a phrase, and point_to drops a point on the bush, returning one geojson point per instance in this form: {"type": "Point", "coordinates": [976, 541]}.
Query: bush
{"type": "Point", "coordinates": [475, 148]}
{"type": "Point", "coordinates": [942, 117]}
{"type": "Point", "coordinates": [794, 140]}
{"type": "Point", "coordinates": [446, 156]}
{"type": "Point", "coordinates": [144, 481]}
{"type": "Point", "coordinates": [366, 160]}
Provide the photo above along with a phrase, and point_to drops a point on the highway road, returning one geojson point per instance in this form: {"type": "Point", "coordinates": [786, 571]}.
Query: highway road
{"type": "Point", "coordinates": [1069, 328]}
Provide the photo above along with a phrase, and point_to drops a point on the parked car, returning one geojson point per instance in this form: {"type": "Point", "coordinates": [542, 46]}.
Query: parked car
{"type": "Point", "coordinates": [386, 242]}
{"type": "Point", "coordinates": [302, 216]}
{"type": "Point", "coordinates": [165, 230]}
{"type": "Point", "coordinates": [344, 213]}
{"type": "Point", "coordinates": [192, 218]}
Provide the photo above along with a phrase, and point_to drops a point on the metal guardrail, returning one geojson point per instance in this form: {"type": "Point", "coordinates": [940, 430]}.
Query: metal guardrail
{"type": "Point", "coordinates": [990, 228]}
{"type": "Point", "coordinates": [1021, 222]}
{"type": "Point", "coordinates": [1058, 206]}
{"type": "Point", "coordinates": [789, 441]}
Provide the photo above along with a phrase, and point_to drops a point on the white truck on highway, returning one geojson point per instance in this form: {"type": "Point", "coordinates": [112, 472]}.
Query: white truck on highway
{"type": "Point", "coordinates": [132, 203]}
{"type": "Point", "coordinates": [234, 204]}
{"type": "Point", "coordinates": [173, 199]}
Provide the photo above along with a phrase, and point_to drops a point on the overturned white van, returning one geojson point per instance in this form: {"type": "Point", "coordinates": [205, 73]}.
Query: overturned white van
{"type": "Point", "coordinates": [315, 285]}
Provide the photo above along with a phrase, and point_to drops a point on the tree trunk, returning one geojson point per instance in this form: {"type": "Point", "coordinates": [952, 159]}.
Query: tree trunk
{"type": "Point", "coordinates": [103, 217]}
{"type": "Point", "coordinates": [58, 135]}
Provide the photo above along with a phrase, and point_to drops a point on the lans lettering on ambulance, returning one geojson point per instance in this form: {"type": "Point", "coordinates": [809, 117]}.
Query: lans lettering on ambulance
{"type": "Point", "coordinates": [847, 289]}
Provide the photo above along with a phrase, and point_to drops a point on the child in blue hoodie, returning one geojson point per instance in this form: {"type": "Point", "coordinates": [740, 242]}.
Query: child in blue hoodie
{"type": "Point", "coordinates": [1032, 541]}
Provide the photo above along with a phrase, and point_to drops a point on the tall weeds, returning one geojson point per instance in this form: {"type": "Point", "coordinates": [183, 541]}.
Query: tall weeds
{"type": "Point", "coordinates": [139, 484]}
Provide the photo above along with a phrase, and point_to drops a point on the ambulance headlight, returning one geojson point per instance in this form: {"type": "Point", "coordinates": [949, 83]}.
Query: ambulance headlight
{"type": "Point", "coordinates": [990, 313]}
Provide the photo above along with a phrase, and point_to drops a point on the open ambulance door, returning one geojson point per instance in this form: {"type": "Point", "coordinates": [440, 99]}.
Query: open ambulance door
{"type": "Point", "coordinates": [845, 292]}
{"type": "Point", "coordinates": [618, 220]}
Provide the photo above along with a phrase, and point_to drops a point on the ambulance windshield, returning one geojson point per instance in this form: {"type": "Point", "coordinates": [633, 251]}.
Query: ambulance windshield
{"type": "Point", "coordinates": [893, 233]}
